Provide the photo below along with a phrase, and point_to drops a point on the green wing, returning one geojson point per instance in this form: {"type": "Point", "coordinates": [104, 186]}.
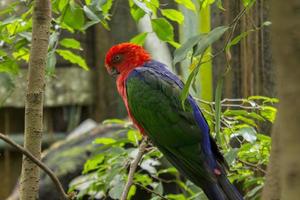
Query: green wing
{"type": "Point", "coordinates": [155, 104]}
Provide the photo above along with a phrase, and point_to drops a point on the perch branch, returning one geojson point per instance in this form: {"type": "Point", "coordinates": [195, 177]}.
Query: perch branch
{"type": "Point", "coordinates": [133, 167]}
{"type": "Point", "coordinates": [41, 165]}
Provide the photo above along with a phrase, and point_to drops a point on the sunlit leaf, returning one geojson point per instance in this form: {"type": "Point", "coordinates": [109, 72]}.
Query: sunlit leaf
{"type": "Point", "coordinates": [62, 4]}
{"type": "Point", "coordinates": [143, 179]}
{"type": "Point", "coordinates": [143, 6]}
{"type": "Point", "coordinates": [131, 192]}
{"type": "Point", "coordinates": [269, 113]}
{"type": "Point", "coordinates": [187, 3]}
{"type": "Point", "coordinates": [173, 15]}
{"type": "Point", "coordinates": [176, 197]}
{"type": "Point", "coordinates": [134, 136]}
{"type": "Point", "coordinates": [163, 29]}
{"type": "Point", "coordinates": [137, 13]}
{"type": "Point", "coordinates": [73, 58]}
{"type": "Point", "coordinates": [264, 99]}
{"type": "Point", "coordinates": [107, 6]}
{"type": "Point", "coordinates": [139, 39]}
{"type": "Point", "coordinates": [114, 121]}
{"type": "Point", "coordinates": [70, 43]}
{"type": "Point", "coordinates": [248, 3]}
{"type": "Point", "coordinates": [170, 170]}
{"type": "Point", "coordinates": [104, 140]}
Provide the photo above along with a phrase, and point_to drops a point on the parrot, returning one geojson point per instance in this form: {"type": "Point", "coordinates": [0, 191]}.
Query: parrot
{"type": "Point", "coordinates": [151, 94]}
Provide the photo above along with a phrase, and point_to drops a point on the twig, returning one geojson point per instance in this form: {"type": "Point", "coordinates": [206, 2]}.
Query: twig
{"type": "Point", "coordinates": [133, 167]}
{"type": "Point", "coordinates": [41, 165]}
{"type": "Point", "coordinates": [151, 191]}
{"type": "Point", "coordinates": [253, 166]}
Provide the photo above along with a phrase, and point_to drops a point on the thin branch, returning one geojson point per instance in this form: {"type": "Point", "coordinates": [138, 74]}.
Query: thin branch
{"type": "Point", "coordinates": [133, 167]}
{"type": "Point", "coordinates": [41, 165]}
{"type": "Point", "coordinates": [151, 191]}
{"type": "Point", "coordinates": [241, 106]}
{"type": "Point", "coordinates": [253, 166]}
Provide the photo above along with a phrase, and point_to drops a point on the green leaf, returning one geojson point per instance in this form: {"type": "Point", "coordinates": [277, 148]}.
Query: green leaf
{"type": "Point", "coordinates": [170, 170]}
{"type": "Point", "coordinates": [134, 136]}
{"type": "Point", "coordinates": [26, 35]}
{"type": "Point", "coordinates": [143, 6]}
{"type": "Point", "coordinates": [131, 192]}
{"type": "Point", "coordinates": [114, 121]}
{"type": "Point", "coordinates": [62, 4]}
{"type": "Point", "coordinates": [218, 107]}
{"type": "Point", "coordinates": [137, 13]}
{"type": "Point", "coordinates": [246, 120]}
{"type": "Point", "coordinates": [107, 6]}
{"type": "Point", "coordinates": [73, 58]}
{"type": "Point", "coordinates": [255, 190]}
{"type": "Point", "coordinates": [90, 14]}
{"type": "Point", "coordinates": [116, 191]}
{"type": "Point", "coordinates": [173, 15]}
{"type": "Point", "coordinates": [70, 43]}
{"type": "Point", "coordinates": [243, 113]}
{"type": "Point", "coordinates": [174, 44]}
{"type": "Point", "coordinates": [237, 39]}
{"type": "Point", "coordinates": [74, 17]}
{"type": "Point", "coordinates": [93, 163]}
{"type": "Point", "coordinates": [158, 188]}
{"type": "Point", "coordinates": [143, 179]}
{"type": "Point", "coordinates": [53, 39]}
{"type": "Point", "coordinates": [248, 3]}
{"type": "Point", "coordinates": [182, 51]}
{"type": "Point", "coordinates": [88, 2]}
{"type": "Point", "coordinates": [9, 66]}
{"type": "Point", "coordinates": [264, 99]}
{"type": "Point", "coordinates": [187, 3]}
{"type": "Point", "coordinates": [139, 39]}
{"type": "Point", "coordinates": [231, 155]}
{"type": "Point", "coordinates": [269, 113]}
{"type": "Point", "coordinates": [175, 197]}
{"type": "Point", "coordinates": [185, 92]}
{"type": "Point", "coordinates": [149, 165]}
{"type": "Point", "coordinates": [51, 62]}
{"type": "Point", "coordinates": [248, 133]}
{"type": "Point", "coordinates": [209, 39]}
{"type": "Point", "coordinates": [163, 29]}
{"type": "Point", "coordinates": [104, 141]}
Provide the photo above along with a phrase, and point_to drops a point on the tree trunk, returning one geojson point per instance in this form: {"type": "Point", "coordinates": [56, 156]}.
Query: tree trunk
{"type": "Point", "coordinates": [29, 183]}
{"type": "Point", "coordinates": [272, 189]}
{"type": "Point", "coordinates": [286, 47]}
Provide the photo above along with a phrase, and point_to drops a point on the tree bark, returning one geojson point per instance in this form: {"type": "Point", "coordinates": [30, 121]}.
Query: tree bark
{"type": "Point", "coordinates": [286, 48]}
{"type": "Point", "coordinates": [272, 188]}
{"type": "Point", "coordinates": [29, 183]}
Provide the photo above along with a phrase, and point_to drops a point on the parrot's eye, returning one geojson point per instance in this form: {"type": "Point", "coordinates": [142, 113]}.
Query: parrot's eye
{"type": "Point", "coordinates": [117, 58]}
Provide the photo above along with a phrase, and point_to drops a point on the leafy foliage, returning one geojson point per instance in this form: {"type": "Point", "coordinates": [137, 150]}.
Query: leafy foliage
{"type": "Point", "coordinates": [245, 149]}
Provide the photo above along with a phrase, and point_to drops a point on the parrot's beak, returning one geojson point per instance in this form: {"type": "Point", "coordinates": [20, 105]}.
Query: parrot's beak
{"type": "Point", "coordinates": [113, 72]}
